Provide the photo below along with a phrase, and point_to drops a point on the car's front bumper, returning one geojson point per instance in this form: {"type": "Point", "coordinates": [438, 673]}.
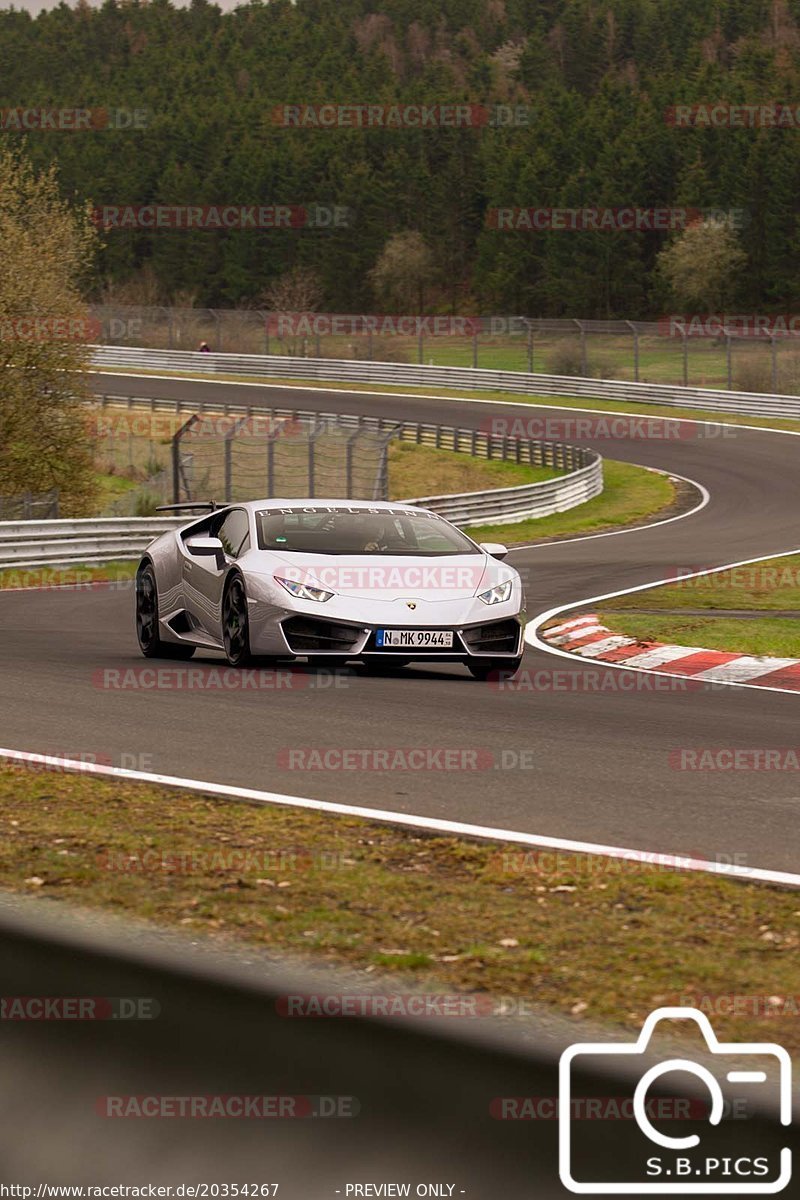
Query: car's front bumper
{"type": "Point", "coordinates": [313, 633]}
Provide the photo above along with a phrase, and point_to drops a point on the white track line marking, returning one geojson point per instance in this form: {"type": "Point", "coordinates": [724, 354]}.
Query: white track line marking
{"type": "Point", "coordinates": [531, 639]}
{"type": "Point", "coordinates": [654, 859]}
{"type": "Point", "coordinates": [705, 497]}
{"type": "Point", "coordinates": [592, 602]}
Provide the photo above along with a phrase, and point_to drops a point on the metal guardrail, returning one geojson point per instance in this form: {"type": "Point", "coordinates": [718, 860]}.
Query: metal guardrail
{"type": "Point", "coordinates": [56, 543]}
{"type": "Point", "coordinates": [103, 539]}
{"type": "Point", "coordinates": [510, 505]}
{"type": "Point", "coordinates": [106, 539]}
{"type": "Point", "coordinates": [347, 371]}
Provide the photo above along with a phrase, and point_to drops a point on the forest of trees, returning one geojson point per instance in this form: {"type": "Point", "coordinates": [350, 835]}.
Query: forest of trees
{"type": "Point", "coordinates": [597, 75]}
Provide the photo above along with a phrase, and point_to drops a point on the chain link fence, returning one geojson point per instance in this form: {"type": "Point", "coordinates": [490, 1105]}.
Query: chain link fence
{"type": "Point", "coordinates": [229, 458]}
{"type": "Point", "coordinates": [745, 356]}
{"type": "Point", "coordinates": [133, 459]}
{"type": "Point", "coordinates": [30, 506]}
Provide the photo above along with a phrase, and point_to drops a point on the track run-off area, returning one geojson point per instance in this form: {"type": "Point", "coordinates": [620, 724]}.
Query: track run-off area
{"type": "Point", "coordinates": [569, 752]}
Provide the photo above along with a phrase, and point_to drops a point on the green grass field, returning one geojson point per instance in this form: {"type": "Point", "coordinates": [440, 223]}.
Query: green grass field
{"type": "Point", "coordinates": [425, 471]}
{"type": "Point", "coordinates": [764, 587]}
{"type": "Point", "coordinates": [630, 495]}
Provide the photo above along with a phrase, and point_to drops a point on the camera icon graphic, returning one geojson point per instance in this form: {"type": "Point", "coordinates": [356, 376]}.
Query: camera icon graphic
{"type": "Point", "coordinates": [652, 1161]}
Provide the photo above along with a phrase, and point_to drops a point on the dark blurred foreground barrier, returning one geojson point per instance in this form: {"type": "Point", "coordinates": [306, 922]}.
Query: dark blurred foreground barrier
{"type": "Point", "coordinates": [424, 1089]}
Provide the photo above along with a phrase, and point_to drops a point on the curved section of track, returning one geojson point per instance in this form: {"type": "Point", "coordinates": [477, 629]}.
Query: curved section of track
{"type": "Point", "coordinates": [571, 750]}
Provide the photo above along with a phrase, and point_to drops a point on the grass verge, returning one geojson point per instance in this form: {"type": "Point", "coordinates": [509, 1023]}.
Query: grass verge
{"type": "Point", "coordinates": [769, 586]}
{"type": "Point", "coordinates": [77, 575]}
{"type": "Point", "coordinates": [576, 934]}
{"type": "Point", "coordinates": [425, 471]}
{"type": "Point", "coordinates": [630, 496]}
{"type": "Point", "coordinates": [767, 635]}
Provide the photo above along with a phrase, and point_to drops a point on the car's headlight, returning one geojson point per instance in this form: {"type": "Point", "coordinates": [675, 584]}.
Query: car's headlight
{"type": "Point", "coordinates": [497, 594]}
{"type": "Point", "coordinates": [304, 591]}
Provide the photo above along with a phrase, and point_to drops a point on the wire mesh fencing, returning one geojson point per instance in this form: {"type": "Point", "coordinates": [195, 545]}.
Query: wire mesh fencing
{"type": "Point", "coordinates": [265, 454]}
{"type": "Point", "coordinates": [30, 506]}
{"type": "Point", "coordinates": [740, 353]}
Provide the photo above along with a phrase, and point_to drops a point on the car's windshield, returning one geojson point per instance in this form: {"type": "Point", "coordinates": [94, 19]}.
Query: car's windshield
{"type": "Point", "coordinates": [333, 530]}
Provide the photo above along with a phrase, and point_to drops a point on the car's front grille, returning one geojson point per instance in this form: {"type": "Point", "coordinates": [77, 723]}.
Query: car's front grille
{"type": "Point", "coordinates": [496, 637]}
{"type": "Point", "coordinates": [309, 633]}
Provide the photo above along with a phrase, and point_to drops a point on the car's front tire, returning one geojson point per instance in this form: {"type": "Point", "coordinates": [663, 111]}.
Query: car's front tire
{"type": "Point", "coordinates": [236, 624]}
{"type": "Point", "coordinates": [483, 668]}
{"type": "Point", "coordinates": [150, 642]}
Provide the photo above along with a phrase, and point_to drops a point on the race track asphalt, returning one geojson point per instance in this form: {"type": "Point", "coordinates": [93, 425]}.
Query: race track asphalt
{"type": "Point", "coordinates": [571, 753]}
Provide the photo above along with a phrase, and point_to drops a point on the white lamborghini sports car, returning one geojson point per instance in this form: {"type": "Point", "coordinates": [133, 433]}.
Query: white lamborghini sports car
{"type": "Point", "coordinates": [330, 581]}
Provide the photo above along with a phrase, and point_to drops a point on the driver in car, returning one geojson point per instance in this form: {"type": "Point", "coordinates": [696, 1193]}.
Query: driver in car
{"type": "Point", "coordinates": [359, 532]}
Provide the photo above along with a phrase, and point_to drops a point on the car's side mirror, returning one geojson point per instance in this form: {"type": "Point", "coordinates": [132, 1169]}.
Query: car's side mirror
{"type": "Point", "coordinates": [496, 549]}
{"type": "Point", "coordinates": [207, 547]}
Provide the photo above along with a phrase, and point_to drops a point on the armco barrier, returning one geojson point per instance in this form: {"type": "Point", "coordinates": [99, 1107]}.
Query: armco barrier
{"type": "Point", "coordinates": [103, 539]}
{"type": "Point", "coordinates": [510, 505]}
{"type": "Point", "coordinates": [106, 539]}
{"type": "Point", "coordinates": [423, 1095]}
{"type": "Point", "coordinates": [54, 543]}
{"type": "Point", "coordinates": [403, 375]}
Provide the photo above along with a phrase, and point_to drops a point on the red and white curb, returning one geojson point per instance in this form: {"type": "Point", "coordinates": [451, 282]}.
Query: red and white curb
{"type": "Point", "coordinates": [585, 636]}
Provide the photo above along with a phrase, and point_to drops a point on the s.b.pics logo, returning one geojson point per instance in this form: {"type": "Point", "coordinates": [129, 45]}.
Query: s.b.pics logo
{"type": "Point", "coordinates": [688, 1152]}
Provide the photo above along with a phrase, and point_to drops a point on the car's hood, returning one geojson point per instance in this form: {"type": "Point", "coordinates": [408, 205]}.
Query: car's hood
{"type": "Point", "coordinates": [388, 577]}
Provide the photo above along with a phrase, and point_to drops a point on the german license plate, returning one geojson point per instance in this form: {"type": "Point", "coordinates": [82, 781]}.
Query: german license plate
{"type": "Point", "coordinates": [419, 639]}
